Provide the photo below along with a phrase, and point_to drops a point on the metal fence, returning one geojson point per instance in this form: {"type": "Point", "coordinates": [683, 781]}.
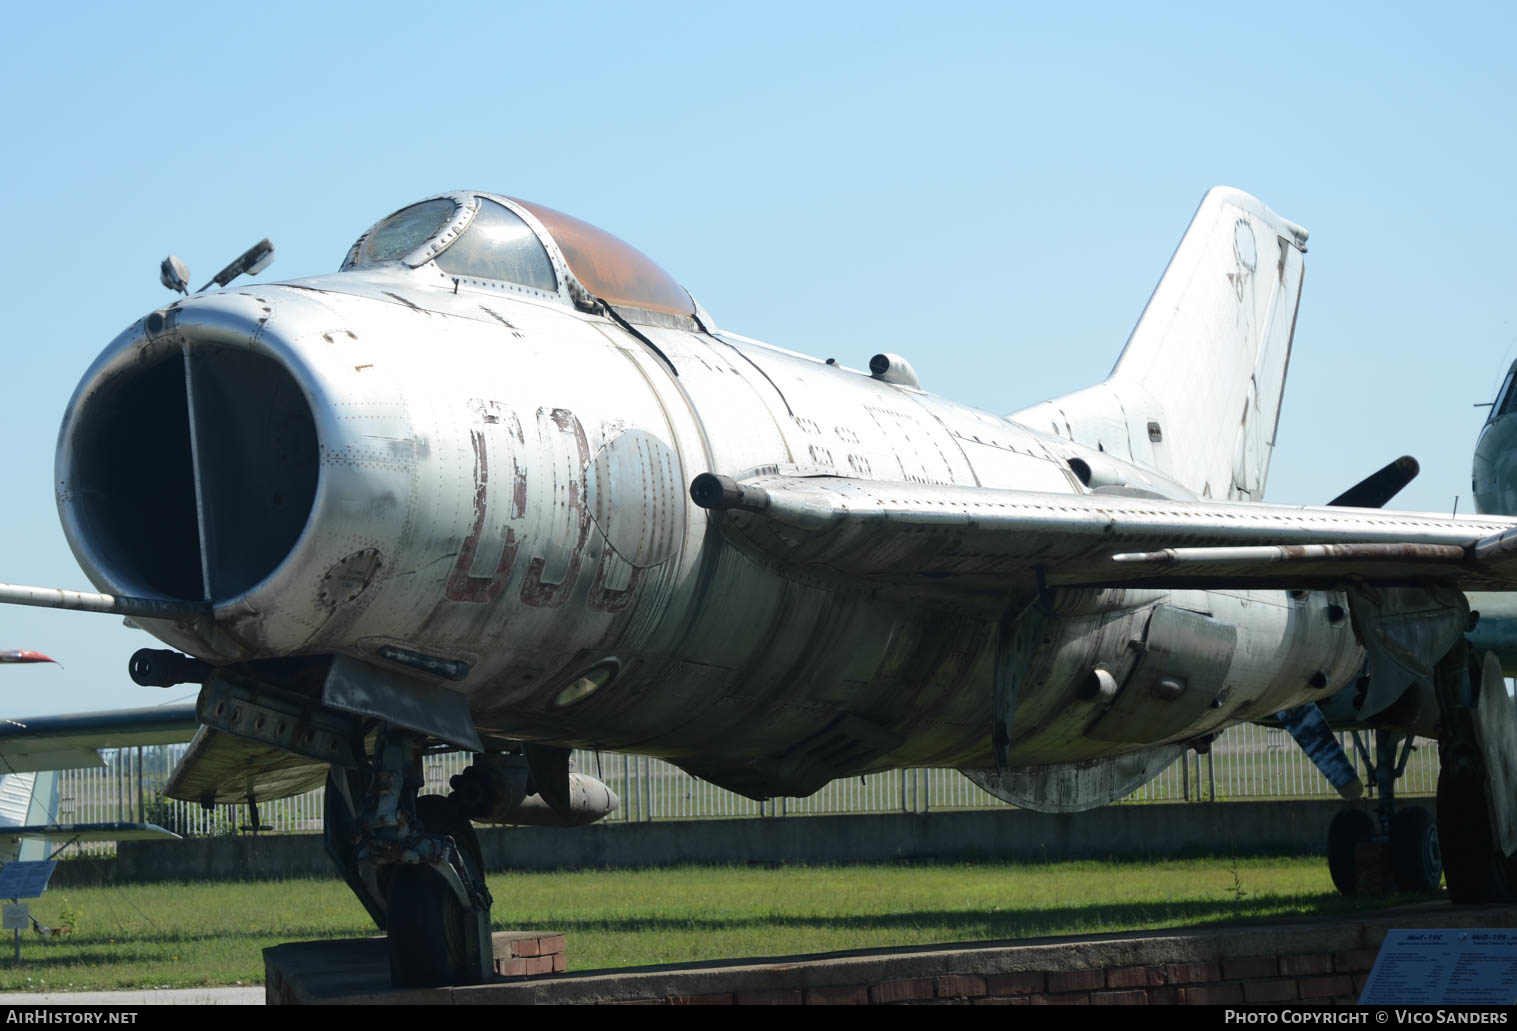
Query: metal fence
{"type": "Point", "coordinates": [1245, 762]}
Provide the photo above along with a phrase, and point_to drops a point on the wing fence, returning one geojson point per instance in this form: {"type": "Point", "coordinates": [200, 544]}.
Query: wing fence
{"type": "Point", "coordinates": [1246, 762]}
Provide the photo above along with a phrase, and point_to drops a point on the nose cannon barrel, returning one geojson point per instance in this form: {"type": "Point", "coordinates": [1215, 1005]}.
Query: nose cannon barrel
{"type": "Point", "coordinates": [155, 667]}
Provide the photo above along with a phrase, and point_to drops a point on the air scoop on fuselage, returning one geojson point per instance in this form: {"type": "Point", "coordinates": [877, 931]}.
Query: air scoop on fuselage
{"type": "Point", "coordinates": [191, 462]}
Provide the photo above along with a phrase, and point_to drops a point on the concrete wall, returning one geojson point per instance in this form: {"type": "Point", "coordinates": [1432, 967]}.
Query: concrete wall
{"type": "Point", "coordinates": [1126, 830]}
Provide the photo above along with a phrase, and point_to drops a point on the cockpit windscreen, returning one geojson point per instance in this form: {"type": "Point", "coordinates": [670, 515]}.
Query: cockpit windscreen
{"type": "Point", "coordinates": [1505, 397]}
{"type": "Point", "coordinates": [403, 232]}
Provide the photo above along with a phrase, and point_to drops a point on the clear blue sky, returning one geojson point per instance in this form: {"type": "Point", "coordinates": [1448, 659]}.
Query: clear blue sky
{"type": "Point", "coordinates": [989, 190]}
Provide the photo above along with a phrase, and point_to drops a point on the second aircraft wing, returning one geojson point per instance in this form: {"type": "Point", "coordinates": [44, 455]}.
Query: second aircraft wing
{"type": "Point", "coordinates": [72, 741]}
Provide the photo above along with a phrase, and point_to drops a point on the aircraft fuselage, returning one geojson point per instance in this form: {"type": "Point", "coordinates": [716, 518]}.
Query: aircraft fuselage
{"type": "Point", "coordinates": [408, 470]}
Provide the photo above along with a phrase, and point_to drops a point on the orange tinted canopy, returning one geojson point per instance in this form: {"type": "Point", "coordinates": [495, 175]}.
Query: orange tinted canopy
{"type": "Point", "coordinates": [610, 268]}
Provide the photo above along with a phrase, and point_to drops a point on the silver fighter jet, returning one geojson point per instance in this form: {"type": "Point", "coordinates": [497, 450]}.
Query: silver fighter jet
{"type": "Point", "coordinates": [501, 485]}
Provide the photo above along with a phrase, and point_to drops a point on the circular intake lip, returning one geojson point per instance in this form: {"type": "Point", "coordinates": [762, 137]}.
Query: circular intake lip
{"type": "Point", "coordinates": [132, 349]}
{"type": "Point", "coordinates": [127, 459]}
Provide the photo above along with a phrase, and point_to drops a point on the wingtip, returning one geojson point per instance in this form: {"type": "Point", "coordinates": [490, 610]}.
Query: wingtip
{"type": "Point", "coordinates": [19, 655]}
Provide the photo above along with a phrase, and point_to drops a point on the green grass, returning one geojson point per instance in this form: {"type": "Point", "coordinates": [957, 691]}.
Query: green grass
{"type": "Point", "coordinates": [205, 934]}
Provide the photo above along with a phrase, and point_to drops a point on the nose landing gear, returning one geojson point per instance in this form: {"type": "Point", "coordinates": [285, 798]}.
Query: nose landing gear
{"type": "Point", "coordinates": [439, 936]}
{"type": "Point", "coordinates": [415, 864]}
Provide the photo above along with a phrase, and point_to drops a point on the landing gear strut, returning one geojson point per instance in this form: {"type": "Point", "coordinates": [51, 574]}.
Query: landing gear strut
{"type": "Point", "coordinates": [415, 864]}
{"type": "Point", "coordinates": [1477, 825]}
{"type": "Point", "coordinates": [1409, 832]}
{"type": "Point", "coordinates": [436, 936]}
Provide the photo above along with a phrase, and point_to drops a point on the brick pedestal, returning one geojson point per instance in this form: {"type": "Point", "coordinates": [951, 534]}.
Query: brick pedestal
{"type": "Point", "coordinates": [1309, 960]}
{"type": "Point", "coordinates": [528, 953]}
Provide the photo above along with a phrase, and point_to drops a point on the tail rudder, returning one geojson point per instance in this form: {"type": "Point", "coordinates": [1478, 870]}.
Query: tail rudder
{"type": "Point", "coordinates": [1196, 392]}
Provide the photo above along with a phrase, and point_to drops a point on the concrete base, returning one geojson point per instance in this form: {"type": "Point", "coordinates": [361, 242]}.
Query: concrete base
{"type": "Point", "coordinates": [358, 969]}
{"type": "Point", "coordinates": [1315, 959]}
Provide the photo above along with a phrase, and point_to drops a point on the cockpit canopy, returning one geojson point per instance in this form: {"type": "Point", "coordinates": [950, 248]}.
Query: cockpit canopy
{"type": "Point", "coordinates": [1506, 397]}
{"type": "Point", "coordinates": [485, 238]}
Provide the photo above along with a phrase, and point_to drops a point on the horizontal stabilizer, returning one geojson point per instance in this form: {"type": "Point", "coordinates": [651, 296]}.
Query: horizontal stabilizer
{"type": "Point", "coordinates": [63, 833]}
{"type": "Point", "coordinates": [1377, 489]}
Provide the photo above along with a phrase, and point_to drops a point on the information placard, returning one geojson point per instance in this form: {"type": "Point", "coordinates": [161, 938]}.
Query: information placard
{"type": "Point", "coordinates": [25, 880]}
{"type": "Point", "coordinates": [15, 916]}
{"type": "Point", "coordinates": [1462, 967]}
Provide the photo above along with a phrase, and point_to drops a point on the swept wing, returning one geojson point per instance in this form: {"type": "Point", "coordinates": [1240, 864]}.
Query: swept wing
{"type": "Point", "coordinates": [979, 543]}
{"type": "Point", "coordinates": [70, 742]}
{"type": "Point", "coordinates": [223, 768]}
{"type": "Point", "coordinates": [32, 748]}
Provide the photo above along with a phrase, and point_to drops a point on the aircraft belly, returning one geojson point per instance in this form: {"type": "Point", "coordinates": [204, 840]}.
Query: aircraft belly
{"type": "Point", "coordinates": [1183, 665]}
{"type": "Point", "coordinates": [926, 677]}
{"type": "Point", "coordinates": [917, 684]}
{"type": "Point", "coordinates": [776, 663]}
{"type": "Point", "coordinates": [1048, 719]}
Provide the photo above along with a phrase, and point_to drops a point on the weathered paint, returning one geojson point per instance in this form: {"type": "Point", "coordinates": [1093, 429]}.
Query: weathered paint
{"type": "Point", "coordinates": [511, 464]}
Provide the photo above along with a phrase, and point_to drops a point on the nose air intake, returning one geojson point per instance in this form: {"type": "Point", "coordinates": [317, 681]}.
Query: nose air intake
{"type": "Point", "coordinates": [191, 476]}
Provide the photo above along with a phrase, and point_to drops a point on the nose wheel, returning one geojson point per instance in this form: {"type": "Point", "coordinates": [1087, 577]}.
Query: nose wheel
{"type": "Point", "coordinates": [435, 938]}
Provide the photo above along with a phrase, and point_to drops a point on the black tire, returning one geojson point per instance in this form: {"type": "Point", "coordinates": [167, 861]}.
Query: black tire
{"type": "Point", "coordinates": [428, 932]}
{"type": "Point", "coordinates": [1416, 858]}
{"type": "Point", "coordinates": [1472, 869]}
{"type": "Point", "coordinates": [1348, 829]}
{"type": "Point", "coordinates": [433, 941]}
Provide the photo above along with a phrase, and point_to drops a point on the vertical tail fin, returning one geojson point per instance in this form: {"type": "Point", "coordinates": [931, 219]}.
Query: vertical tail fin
{"type": "Point", "coordinates": [27, 800]}
{"type": "Point", "coordinates": [1196, 392]}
